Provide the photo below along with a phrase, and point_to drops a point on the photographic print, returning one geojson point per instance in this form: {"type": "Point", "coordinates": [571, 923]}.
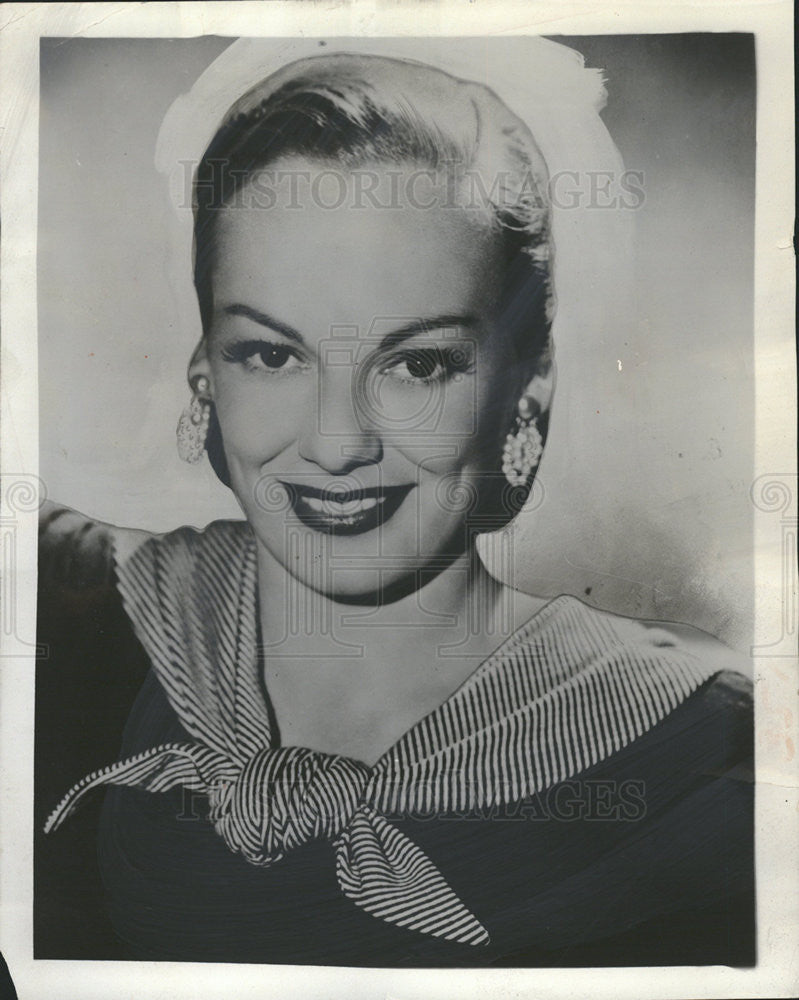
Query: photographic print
{"type": "Point", "coordinates": [397, 494]}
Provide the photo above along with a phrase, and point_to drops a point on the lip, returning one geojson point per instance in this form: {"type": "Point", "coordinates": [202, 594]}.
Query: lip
{"type": "Point", "coordinates": [345, 512]}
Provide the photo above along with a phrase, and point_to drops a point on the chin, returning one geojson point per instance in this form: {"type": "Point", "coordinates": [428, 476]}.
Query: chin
{"type": "Point", "coordinates": [371, 587]}
{"type": "Point", "coordinates": [370, 568]}
{"type": "Point", "coordinates": [364, 581]}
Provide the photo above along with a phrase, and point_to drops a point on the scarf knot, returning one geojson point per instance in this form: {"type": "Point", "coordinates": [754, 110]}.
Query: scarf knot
{"type": "Point", "coordinates": [283, 798]}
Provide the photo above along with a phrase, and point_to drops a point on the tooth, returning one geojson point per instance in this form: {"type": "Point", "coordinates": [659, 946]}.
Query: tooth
{"type": "Point", "coordinates": [338, 508]}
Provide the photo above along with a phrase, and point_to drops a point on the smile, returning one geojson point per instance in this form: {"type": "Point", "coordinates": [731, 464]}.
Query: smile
{"type": "Point", "coordinates": [345, 512]}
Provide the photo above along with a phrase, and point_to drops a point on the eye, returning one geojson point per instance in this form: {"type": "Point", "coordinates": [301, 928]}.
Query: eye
{"type": "Point", "coordinates": [274, 356]}
{"type": "Point", "coordinates": [264, 356]}
{"type": "Point", "coordinates": [426, 365]}
{"type": "Point", "coordinates": [417, 366]}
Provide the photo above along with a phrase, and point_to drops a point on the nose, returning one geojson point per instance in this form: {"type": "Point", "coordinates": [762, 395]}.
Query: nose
{"type": "Point", "coordinates": [334, 434]}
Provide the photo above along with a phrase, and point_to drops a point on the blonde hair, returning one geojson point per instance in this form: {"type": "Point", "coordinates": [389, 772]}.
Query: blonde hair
{"type": "Point", "coordinates": [354, 111]}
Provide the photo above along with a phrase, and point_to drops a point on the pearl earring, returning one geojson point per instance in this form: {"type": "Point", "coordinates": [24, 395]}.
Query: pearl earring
{"type": "Point", "coordinates": [193, 424]}
{"type": "Point", "coordinates": [523, 447]}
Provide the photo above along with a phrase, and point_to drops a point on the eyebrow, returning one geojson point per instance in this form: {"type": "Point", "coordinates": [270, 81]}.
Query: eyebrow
{"type": "Point", "coordinates": [389, 340]}
{"type": "Point", "coordinates": [263, 319]}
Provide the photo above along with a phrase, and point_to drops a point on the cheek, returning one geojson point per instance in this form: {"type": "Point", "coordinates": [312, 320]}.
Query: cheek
{"type": "Point", "coordinates": [256, 425]}
{"type": "Point", "coordinates": [468, 430]}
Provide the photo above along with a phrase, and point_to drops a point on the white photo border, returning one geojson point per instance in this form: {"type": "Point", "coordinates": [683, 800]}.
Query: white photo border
{"type": "Point", "coordinates": [774, 495]}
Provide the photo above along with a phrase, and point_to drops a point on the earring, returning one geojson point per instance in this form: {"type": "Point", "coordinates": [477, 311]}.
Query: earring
{"type": "Point", "coordinates": [193, 424]}
{"type": "Point", "coordinates": [523, 447]}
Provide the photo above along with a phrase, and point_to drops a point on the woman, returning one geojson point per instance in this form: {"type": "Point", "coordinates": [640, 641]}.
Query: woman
{"type": "Point", "coordinates": [345, 742]}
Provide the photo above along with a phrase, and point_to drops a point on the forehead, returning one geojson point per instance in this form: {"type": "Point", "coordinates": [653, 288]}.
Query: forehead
{"type": "Point", "coordinates": [349, 246]}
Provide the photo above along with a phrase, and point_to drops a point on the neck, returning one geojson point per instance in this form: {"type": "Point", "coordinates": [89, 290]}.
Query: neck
{"type": "Point", "coordinates": [456, 604]}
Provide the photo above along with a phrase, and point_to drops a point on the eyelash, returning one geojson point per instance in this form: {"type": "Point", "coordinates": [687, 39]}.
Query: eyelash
{"type": "Point", "coordinates": [450, 361]}
{"type": "Point", "coordinates": [243, 352]}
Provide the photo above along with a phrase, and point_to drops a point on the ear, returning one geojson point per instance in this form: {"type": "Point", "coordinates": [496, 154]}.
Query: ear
{"type": "Point", "coordinates": [200, 366]}
{"type": "Point", "coordinates": [538, 393]}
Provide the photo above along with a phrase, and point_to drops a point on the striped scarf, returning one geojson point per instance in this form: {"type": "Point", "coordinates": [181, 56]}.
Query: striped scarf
{"type": "Point", "coordinates": [567, 690]}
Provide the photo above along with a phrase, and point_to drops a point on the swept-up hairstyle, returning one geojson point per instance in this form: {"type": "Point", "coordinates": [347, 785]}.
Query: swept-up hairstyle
{"type": "Point", "coordinates": [356, 111]}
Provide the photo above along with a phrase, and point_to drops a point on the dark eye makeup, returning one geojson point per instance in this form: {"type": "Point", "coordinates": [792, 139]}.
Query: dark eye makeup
{"type": "Point", "coordinates": [413, 365]}
{"type": "Point", "coordinates": [260, 355]}
{"type": "Point", "coordinates": [427, 364]}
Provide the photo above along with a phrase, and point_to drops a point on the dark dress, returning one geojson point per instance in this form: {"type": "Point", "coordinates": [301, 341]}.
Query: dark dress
{"type": "Point", "coordinates": [643, 858]}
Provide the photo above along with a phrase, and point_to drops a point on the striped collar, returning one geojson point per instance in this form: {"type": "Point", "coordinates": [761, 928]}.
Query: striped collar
{"type": "Point", "coordinates": [567, 690]}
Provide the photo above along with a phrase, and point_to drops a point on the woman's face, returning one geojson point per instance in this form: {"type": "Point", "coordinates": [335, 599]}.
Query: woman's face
{"type": "Point", "coordinates": [362, 384]}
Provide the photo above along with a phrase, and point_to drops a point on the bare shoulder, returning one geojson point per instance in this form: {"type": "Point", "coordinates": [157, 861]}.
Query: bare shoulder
{"type": "Point", "coordinates": [704, 645]}
{"type": "Point", "coordinates": [720, 658]}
